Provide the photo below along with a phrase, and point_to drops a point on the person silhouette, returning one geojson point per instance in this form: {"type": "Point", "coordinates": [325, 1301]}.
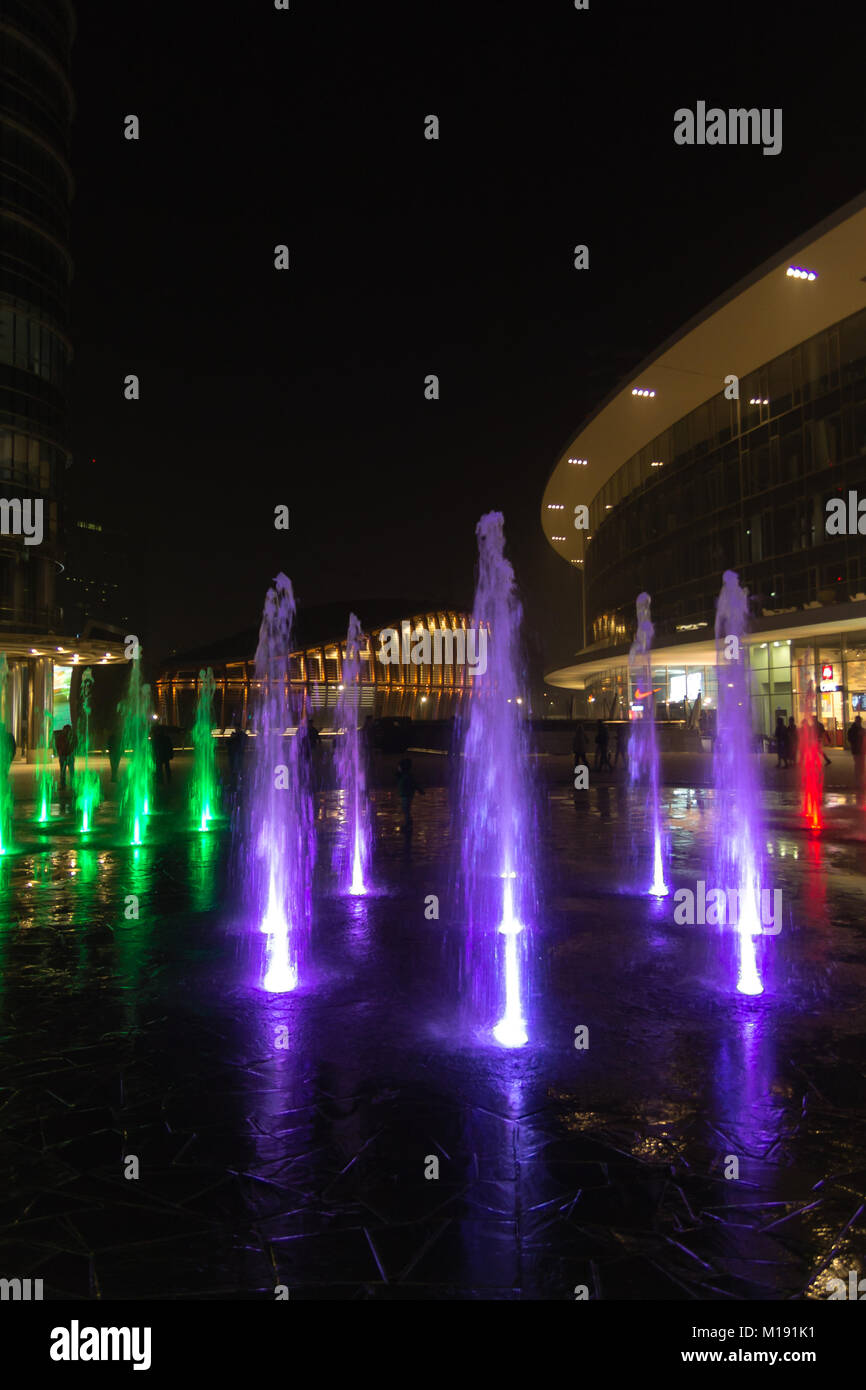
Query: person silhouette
{"type": "Point", "coordinates": [602, 747]}
{"type": "Point", "coordinates": [406, 788]}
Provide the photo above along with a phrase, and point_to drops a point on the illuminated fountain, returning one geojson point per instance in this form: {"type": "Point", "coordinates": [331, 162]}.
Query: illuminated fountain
{"type": "Point", "coordinates": [811, 759]}
{"type": "Point", "coordinates": [737, 780]}
{"type": "Point", "coordinates": [5, 758]}
{"type": "Point", "coordinates": [496, 801]}
{"type": "Point", "coordinates": [86, 778]}
{"type": "Point", "coordinates": [135, 796]}
{"type": "Point", "coordinates": [279, 838]}
{"type": "Point", "coordinates": [352, 855]}
{"type": "Point", "coordinates": [44, 755]}
{"type": "Point", "coordinates": [204, 794]}
{"type": "Point", "coordinates": [643, 743]}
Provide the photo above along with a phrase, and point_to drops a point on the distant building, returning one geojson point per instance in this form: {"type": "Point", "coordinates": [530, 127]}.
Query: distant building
{"type": "Point", "coordinates": [435, 691]}
{"type": "Point", "coordinates": [95, 586]}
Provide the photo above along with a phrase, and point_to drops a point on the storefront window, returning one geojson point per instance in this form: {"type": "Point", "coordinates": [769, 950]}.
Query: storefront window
{"type": "Point", "coordinates": [62, 680]}
{"type": "Point", "coordinates": [780, 685]}
{"type": "Point", "coordinates": [855, 676]}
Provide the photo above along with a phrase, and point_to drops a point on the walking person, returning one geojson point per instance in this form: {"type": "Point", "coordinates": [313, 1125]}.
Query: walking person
{"type": "Point", "coordinates": [781, 737]}
{"type": "Point", "coordinates": [166, 751]}
{"type": "Point", "coordinates": [602, 751]}
{"type": "Point", "coordinates": [156, 760]}
{"type": "Point", "coordinates": [64, 743]}
{"type": "Point", "coordinates": [578, 748]}
{"type": "Point", "coordinates": [163, 752]}
{"type": "Point", "coordinates": [115, 750]}
{"type": "Point", "coordinates": [407, 787]}
{"type": "Point", "coordinates": [367, 739]}
{"type": "Point", "coordinates": [823, 739]}
{"type": "Point", "coordinates": [792, 743]}
{"type": "Point", "coordinates": [309, 749]}
{"type": "Point", "coordinates": [857, 743]}
{"type": "Point", "coordinates": [236, 746]}
{"type": "Point", "coordinates": [7, 751]}
{"type": "Point", "coordinates": [623, 733]}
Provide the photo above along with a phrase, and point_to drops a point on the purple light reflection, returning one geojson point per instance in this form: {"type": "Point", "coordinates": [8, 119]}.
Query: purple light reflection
{"type": "Point", "coordinates": [643, 750]}
{"type": "Point", "coordinates": [496, 804]}
{"type": "Point", "coordinates": [352, 855]}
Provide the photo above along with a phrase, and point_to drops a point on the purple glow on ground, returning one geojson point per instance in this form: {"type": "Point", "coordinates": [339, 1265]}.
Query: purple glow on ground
{"type": "Point", "coordinates": [352, 856]}
{"type": "Point", "coordinates": [279, 840]}
{"type": "Point", "coordinates": [497, 875]}
{"type": "Point", "coordinates": [738, 792]}
{"type": "Point", "coordinates": [643, 758]}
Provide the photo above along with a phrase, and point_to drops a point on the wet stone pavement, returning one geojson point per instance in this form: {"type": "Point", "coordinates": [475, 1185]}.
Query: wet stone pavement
{"type": "Point", "coordinates": [559, 1167]}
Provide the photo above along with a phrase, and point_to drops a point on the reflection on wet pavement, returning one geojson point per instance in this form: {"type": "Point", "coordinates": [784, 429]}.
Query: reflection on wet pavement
{"type": "Point", "coordinates": [290, 1139]}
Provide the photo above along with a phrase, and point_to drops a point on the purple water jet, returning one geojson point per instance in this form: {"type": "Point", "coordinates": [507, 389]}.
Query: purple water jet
{"type": "Point", "coordinates": [279, 839]}
{"type": "Point", "coordinates": [643, 743]}
{"type": "Point", "coordinates": [352, 854]}
{"type": "Point", "coordinates": [738, 793]}
{"type": "Point", "coordinates": [497, 850]}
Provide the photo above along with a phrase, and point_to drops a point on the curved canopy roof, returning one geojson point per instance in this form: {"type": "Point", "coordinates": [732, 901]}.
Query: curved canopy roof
{"type": "Point", "coordinates": [760, 318]}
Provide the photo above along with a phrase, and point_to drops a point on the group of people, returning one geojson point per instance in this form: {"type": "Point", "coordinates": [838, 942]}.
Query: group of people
{"type": "Point", "coordinates": [64, 747]}
{"type": "Point", "coordinates": [310, 744]}
{"type": "Point", "coordinates": [602, 747]}
{"type": "Point", "coordinates": [789, 740]}
{"type": "Point", "coordinates": [160, 742]}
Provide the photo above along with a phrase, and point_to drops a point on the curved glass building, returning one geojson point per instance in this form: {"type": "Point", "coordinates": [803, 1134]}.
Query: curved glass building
{"type": "Point", "coordinates": [721, 452]}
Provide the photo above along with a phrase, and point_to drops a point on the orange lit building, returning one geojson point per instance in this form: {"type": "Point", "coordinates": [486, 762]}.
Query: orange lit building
{"type": "Point", "coordinates": [425, 691]}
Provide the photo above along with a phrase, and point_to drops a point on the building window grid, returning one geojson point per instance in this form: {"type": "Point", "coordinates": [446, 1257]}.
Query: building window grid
{"type": "Point", "coordinates": [829, 367]}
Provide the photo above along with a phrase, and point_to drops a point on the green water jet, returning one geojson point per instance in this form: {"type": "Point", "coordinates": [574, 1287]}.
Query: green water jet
{"type": "Point", "coordinates": [87, 788]}
{"type": "Point", "coordinates": [204, 792]}
{"type": "Point", "coordinates": [6, 746]}
{"type": "Point", "coordinates": [44, 753]}
{"type": "Point", "coordinates": [135, 797]}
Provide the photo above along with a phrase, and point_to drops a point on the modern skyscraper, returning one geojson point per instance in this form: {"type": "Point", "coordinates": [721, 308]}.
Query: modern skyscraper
{"type": "Point", "coordinates": [44, 655]}
{"type": "Point", "coordinates": [36, 187]}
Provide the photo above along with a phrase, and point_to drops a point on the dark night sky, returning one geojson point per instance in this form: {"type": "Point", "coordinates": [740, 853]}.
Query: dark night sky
{"type": "Point", "coordinates": [408, 257]}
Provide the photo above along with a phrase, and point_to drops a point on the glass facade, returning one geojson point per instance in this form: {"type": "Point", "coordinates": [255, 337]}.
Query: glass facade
{"type": "Point", "coordinates": [686, 692]}
{"type": "Point", "coordinates": [740, 484]}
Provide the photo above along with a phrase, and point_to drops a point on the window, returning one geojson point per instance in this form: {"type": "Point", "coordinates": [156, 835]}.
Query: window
{"type": "Point", "coordinates": [852, 346]}
{"type": "Point", "coordinates": [758, 462]}
{"type": "Point", "coordinates": [780, 385]}
{"type": "Point", "coordinates": [791, 449]}
{"type": "Point", "coordinates": [822, 443]}
{"type": "Point", "coordinates": [7, 346]}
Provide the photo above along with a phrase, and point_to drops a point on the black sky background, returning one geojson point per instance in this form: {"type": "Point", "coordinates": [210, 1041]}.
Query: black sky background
{"type": "Point", "coordinates": [408, 257]}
